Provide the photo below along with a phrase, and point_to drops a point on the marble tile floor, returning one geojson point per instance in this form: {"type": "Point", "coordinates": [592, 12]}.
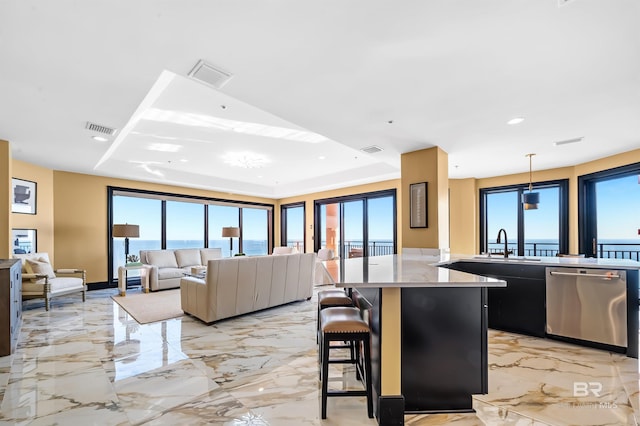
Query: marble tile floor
{"type": "Point", "coordinates": [91, 363]}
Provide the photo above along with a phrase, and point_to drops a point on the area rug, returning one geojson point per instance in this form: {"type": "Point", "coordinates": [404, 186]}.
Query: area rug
{"type": "Point", "coordinates": [151, 307]}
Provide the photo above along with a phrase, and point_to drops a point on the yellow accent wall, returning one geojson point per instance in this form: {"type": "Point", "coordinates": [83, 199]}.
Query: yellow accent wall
{"type": "Point", "coordinates": [5, 199]}
{"type": "Point", "coordinates": [71, 219]}
{"type": "Point", "coordinates": [42, 221]}
{"type": "Point", "coordinates": [431, 166]}
{"type": "Point", "coordinates": [460, 193]}
{"type": "Point", "coordinates": [80, 220]}
{"type": "Point", "coordinates": [463, 214]}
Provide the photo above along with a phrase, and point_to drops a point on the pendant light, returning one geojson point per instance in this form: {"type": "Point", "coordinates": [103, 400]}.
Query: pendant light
{"type": "Point", "coordinates": [530, 199]}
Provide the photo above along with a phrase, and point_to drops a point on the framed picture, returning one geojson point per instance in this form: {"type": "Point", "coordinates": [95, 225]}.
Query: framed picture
{"type": "Point", "coordinates": [418, 205]}
{"type": "Point", "coordinates": [23, 241]}
{"type": "Point", "coordinates": [23, 196]}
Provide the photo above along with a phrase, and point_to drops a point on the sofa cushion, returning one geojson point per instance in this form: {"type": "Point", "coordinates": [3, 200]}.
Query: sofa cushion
{"type": "Point", "coordinates": [188, 257]}
{"type": "Point", "coordinates": [162, 258]}
{"type": "Point", "coordinates": [41, 266]}
{"type": "Point", "coordinates": [168, 273]}
{"type": "Point", "coordinates": [211, 253]}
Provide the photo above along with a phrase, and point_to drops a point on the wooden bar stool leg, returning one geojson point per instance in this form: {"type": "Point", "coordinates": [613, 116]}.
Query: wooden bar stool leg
{"type": "Point", "coordinates": [325, 374]}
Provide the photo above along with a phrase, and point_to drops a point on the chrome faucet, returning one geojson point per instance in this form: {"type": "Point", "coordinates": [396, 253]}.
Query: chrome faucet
{"type": "Point", "coordinates": [506, 245]}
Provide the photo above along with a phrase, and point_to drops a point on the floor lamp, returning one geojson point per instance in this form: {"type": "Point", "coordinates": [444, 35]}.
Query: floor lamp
{"type": "Point", "coordinates": [231, 232]}
{"type": "Point", "coordinates": [127, 231]}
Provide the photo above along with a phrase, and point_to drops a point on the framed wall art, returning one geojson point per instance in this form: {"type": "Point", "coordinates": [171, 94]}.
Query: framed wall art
{"type": "Point", "coordinates": [23, 241]}
{"type": "Point", "coordinates": [23, 196]}
{"type": "Point", "coordinates": [418, 205]}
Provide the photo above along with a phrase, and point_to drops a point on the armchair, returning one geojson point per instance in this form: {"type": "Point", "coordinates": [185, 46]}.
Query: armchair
{"type": "Point", "coordinates": [40, 280]}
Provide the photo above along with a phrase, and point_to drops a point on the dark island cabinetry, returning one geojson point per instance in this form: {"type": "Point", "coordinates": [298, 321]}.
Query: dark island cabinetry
{"type": "Point", "coordinates": [10, 304]}
{"type": "Point", "coordinates": [520, 306]}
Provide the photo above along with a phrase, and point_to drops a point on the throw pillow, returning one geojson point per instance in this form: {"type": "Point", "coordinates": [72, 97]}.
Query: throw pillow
{"type": "Point", "coordinates": [41, 266]}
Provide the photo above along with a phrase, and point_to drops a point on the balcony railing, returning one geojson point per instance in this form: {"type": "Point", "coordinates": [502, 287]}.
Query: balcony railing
{"type": "Point", "coordinates": [355, 248]}
{"type": "Point", "coordinates": [619, 251]}
{"type": "Point", "coordinates": [604, 250]}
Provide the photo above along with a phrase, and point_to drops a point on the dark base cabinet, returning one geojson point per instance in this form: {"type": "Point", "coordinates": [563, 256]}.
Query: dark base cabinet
{"type": "Point", "coordinates": [10, 304]}
{"type": "Point", "coordinates": [444, 349]}
{"type": "Point", "coordinates": [520, 306]}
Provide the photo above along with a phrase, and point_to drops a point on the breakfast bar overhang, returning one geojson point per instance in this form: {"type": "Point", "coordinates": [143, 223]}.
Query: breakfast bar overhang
{"type": "Point", "coordinates": [428, 331]}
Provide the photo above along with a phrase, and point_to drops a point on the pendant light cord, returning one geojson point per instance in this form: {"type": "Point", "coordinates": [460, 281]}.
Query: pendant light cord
{"type": "Point", "coordinates": [530, 173]}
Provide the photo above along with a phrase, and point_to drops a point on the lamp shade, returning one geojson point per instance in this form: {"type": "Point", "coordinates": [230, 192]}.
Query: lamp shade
{"type": "Point", "coordinates": [531, 200]}
{"type": "Point", "coordinates": [126, 231]}
{"type": "Point", "coordinates": [230, 231]}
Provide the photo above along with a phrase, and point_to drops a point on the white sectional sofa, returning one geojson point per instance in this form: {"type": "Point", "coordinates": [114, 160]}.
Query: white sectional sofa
{"type": "Point", "coordinates": [167, 267]}
{"type": "Point", "coordinates": [238, 285]}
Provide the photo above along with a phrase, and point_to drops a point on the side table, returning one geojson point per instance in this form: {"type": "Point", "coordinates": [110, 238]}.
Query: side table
{"type": "Point", "coordinates": [122, 277]}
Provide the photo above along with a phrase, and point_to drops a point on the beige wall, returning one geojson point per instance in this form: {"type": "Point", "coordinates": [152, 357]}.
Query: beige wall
{"type": "Point", "coordinates": [463, 214]}
{"type": "Point", "coordinates": [71, 219]}
{"type": "Point", "coordinates": [431, 166]}
{"type": "Point", "coordinates": [460, 193]}
{"type": "Point", "coordinates": [42, 221]}
{"type": "Point", "coordinates": [80, 220]}
{"type": "Point", "coordinates": [5, 199]}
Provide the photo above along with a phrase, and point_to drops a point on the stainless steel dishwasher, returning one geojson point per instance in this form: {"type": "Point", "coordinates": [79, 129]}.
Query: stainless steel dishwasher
{"type": "Point", "coordinates": [587, 304]}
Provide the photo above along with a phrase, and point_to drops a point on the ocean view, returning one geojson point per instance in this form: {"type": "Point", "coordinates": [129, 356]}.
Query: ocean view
{"type": "Point", "coordinates": [621, 248]}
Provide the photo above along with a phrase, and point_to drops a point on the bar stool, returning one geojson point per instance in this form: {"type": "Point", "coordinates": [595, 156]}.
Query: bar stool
{"type": "Point", "coordinates": [331, 298]}
{"type": "Point", "coordinates": [345, 324]}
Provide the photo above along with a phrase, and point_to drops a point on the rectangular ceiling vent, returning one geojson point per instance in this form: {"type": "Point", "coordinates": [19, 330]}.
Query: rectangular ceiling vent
{"type": "Point", "coordinates": [100, 129]}
{"type": "Point", "coordinates": [568, 141]}
{"type": "Point", "coordinates": [371, 149]}
{"type": "Point", "coordinates": [209, 75]}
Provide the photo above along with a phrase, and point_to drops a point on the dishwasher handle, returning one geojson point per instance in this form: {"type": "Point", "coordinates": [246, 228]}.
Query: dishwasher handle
{"type": "Point", "coordinates": [607, 276]}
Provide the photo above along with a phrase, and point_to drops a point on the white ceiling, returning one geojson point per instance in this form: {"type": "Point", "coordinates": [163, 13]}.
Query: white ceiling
{"type": "Point", "coordinates": [449, 73]}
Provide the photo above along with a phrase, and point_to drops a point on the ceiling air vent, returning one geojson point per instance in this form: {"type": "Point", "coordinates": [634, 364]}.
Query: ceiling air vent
{"type": "Point", "coordinates": [100, 129]}
{"type": "Point", "coordinates": [371, 149]}
{"type": "Point", "coordinates": [568, 141]}
{"type": "Point", "coordinates": [209, 75]}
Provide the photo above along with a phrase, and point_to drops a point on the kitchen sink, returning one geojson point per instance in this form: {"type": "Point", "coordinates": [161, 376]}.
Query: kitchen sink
{"type": "Point", "coordinates": [511, 258]}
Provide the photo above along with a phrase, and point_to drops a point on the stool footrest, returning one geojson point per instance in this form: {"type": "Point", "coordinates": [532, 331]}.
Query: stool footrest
{"type": "Point", "coordinates": [347, 393]}
{"type": "Point", "coordinates": [342, 361]}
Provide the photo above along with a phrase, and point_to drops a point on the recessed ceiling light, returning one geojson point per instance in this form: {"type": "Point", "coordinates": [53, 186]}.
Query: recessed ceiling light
{"type": "Point", "coordinates": [164, 147]}
{"type": "Point", "coordinates": [245, 159]}
{"type": "Point", "coordinates": [322, 157]}
{"type": "Point", "coordinates": [99, 138]}
{"type": "Point", "coordinates": [515, 120]}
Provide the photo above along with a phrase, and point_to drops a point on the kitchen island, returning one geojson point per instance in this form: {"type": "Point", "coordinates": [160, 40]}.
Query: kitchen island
{"type": "Point", "coordinates": [428, 331]}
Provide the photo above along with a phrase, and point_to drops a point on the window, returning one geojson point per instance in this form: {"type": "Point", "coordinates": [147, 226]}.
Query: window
{"type": "Point", "coordinates": [540, 232]}
{"type": "Point", "coordinates": [171, 221]}
{"type": "Point", "coordinates": [185, 225]}
{"type": "Point", "coordinates": [292, 226]}
{"type": "Point", "coordinates": [608, 203]}
{"type": "Point", "coordinates": [145, 212]}
{"type": "Point", "coordinates": [219, 217]}
{"type": "Point", "coordinates": [255, 236]}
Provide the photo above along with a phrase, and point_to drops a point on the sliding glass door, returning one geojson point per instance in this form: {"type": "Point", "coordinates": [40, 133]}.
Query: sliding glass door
{"type": "Point", "coordinates": [357, 225]}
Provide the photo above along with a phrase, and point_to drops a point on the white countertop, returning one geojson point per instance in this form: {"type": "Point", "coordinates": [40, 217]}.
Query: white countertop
{"type": "Point", "coordinates": [399, 271]}
{"type": "Point", "coordinates": [576, 262]}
